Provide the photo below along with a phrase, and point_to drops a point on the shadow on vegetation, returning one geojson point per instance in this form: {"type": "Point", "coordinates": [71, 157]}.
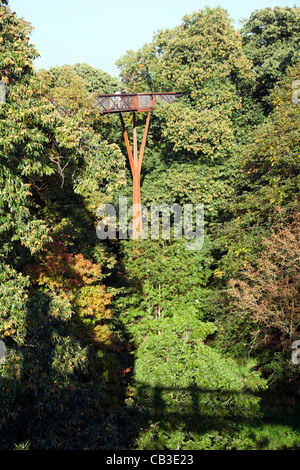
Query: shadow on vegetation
{"type": "Point", "coordinates": [61, 389]}
{"type": "Point", "coordinates": [196, 418]}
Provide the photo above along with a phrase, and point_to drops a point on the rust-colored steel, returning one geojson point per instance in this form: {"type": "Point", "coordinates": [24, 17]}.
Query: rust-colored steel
{"type": "Point", "coordinates": [134, 102]}
{"type": "Point", "coordinates": [135, 161]}
{"type": "Point", "coordinates": [127, 143]}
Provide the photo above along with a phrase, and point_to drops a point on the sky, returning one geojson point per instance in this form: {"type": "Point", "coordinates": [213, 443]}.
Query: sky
{"type": "Point", "coordinates": [99, 32]}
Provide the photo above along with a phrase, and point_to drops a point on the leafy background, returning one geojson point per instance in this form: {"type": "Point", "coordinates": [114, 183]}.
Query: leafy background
{"type": "Point", "coordinates": [144, 344]}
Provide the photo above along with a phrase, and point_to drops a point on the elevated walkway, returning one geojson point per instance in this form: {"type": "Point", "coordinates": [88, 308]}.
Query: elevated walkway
{"type": "Point", "coordinates": [132, 102]}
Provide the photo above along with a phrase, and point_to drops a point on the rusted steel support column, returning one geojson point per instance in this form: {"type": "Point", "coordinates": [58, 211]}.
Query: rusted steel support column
{"type": "Point", "coordinates": [135, 152]}
{"type": "Point", "coordinates": [144, 140]}
{"type": "Point", "coordinates": [137, 212]}
{"type": "Point", "coordinates": [135, 161]}
{"type": "Point", "coordinates": [127, 143]}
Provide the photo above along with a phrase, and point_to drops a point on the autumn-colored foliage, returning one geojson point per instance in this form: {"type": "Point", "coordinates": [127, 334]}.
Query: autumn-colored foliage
{"type": "Point", "coordinates": [268, 294]}
{"type": "Point", "coordinates": [76, 279]}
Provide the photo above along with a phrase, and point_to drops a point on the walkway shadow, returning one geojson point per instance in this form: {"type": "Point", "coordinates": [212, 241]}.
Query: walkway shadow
{"type": "Point", "coordinates": [179, 417]}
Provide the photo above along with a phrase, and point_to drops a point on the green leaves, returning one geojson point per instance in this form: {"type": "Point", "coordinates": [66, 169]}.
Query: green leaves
{"type": "Point", "coordinates": [271, 41]}
{"type": "Point", "coordinates": [254, 241]}
{"type": "Point", "coordinates": [16, 54]}
{"type": "Point", "coordinates": [152, 267]}
{"type": "Point", "coordinates": [104, 172]}
{"type": "Point", "coordinates": [189, 389]}
{"type": "Point", "coordinates": [202, 57]}
{"type": "Point", "coordinates": [63, 357]}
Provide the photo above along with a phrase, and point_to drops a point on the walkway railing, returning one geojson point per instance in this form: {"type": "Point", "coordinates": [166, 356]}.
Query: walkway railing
{"type": "Point", "coordinates": [117, 103]}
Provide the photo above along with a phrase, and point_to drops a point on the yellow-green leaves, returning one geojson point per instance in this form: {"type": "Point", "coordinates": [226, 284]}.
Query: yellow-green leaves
{"type": "Point", "coordinates": [203, 58]}
{"type": "Point", "coordinates": [16, 53]}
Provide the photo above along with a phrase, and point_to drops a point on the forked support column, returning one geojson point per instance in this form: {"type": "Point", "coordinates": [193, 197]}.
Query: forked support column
{"type": "Point", "coordinates": [136, 165]}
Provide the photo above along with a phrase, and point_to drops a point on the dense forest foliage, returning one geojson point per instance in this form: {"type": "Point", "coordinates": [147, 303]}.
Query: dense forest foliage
{"type": "Point", "coordinates": [143, 344]}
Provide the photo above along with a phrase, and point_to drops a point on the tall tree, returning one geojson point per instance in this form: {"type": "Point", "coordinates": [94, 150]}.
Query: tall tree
{"type": "Point", "coordinates": [62, 355]}
{"type": "Point", "coordinates": [192, 143]}
{"type": "Point", "coordinates": [259, 245]}
{"type": "Point", "coordinates": [203, 58]}
{"type": "Point", "coordinates": [271, 40]}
